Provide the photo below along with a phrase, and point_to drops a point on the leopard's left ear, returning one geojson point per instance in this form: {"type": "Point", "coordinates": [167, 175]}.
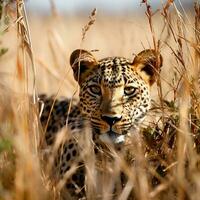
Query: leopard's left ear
{"type": "Point", "coordinates": [82, 63]}
{"type": "Point", "coordinates": [147, 64]}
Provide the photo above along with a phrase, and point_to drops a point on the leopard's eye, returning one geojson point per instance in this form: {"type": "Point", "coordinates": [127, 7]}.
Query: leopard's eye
{"type": "Point", "coordinates": [95, 89]}
{"type": "Point", "coordinates": [130, 90]}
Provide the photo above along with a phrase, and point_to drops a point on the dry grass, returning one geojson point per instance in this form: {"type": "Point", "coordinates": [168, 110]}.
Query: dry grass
{"type": "Point", "coordinates": [163, 160]}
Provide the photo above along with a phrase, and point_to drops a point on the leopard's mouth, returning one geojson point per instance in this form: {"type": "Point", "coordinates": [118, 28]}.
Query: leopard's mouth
{"type": "Point", "coordinates": [112, 137]}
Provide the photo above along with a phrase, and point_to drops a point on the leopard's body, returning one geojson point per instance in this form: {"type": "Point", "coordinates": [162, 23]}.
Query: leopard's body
{"type": "Point", "coordinates": [114, 99]}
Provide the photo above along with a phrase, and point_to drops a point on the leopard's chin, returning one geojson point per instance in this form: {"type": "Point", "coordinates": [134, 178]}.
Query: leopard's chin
{"type": "Point", "coordinates": [112, 137]}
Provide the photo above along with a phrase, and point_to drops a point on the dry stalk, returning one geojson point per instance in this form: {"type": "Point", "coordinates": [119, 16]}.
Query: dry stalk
{"type": "Point", "coordinates": [197, 56]}
{"type": "Point", "coordinates": [26, 137]}
{"type": "Point", "coordinates": [92, 19]}
{"type": "Point", "coordinates": [156, 46]}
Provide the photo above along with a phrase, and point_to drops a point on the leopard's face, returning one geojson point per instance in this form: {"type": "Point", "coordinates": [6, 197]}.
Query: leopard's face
{"type": "Point", "coordinates": [114, 92]}
{"type": "Point", "coordinates": [114, 97]}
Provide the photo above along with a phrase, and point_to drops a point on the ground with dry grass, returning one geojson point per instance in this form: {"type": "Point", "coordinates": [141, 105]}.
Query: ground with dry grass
{"type": "Point", "coordinates": [34, 58]}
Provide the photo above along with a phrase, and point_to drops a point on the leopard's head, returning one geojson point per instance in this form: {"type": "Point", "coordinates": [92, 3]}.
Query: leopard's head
{"type": "Point", "coordinates": [115, 91]}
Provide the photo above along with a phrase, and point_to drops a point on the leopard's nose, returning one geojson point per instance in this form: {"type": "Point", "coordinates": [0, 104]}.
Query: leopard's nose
{"type": "Point", "coordinates": [111, 120]}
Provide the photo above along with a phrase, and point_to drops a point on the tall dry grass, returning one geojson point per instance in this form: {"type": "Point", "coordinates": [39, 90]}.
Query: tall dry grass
{"type": "Point", "coordinates": [163, 158]}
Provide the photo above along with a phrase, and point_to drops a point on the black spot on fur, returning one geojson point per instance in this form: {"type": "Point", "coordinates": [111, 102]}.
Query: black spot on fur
{"type": "Point", "coordinates": [71, 146]}
{"type": "Point", "coordinates": [68, 157]}
{"type": "Point", "coordinates": [65, 150]}
{"type": "Point", "coordinates": [73, 126]}
{"type": "Point", "coordinates": [74, 152]}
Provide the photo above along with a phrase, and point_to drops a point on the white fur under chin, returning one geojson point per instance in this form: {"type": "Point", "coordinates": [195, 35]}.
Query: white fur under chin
{"type": "Point", "coordinates": [105, 138]}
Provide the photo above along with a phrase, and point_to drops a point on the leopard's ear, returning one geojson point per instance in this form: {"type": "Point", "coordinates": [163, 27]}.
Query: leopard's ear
{"type": "Point", "coordinates": [148, 63]}
{"type": "Point", "coordinates": [82, 62]}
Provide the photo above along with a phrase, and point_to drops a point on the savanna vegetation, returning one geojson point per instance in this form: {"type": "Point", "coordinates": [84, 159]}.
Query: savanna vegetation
{"type": "Point", "coordinates": [34, 59]}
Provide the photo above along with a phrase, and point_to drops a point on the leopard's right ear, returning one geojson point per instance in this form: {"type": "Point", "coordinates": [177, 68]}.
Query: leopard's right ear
{"type": "Point", "coordinates": [148, 64]}
{"type": "Point", "coordinates": [82, 62]}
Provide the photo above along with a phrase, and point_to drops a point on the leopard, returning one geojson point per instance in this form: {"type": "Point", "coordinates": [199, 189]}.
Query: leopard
{"type": "Point", "coordinates": [114, 98]}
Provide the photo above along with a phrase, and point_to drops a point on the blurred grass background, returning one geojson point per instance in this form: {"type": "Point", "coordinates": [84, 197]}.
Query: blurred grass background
{"type": "Point", "coordinates": [55, 35]}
